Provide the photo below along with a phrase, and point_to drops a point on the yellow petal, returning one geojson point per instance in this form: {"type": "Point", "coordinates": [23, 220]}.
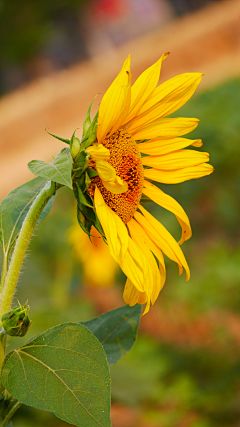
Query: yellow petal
{"type": "Point", "coordinates": [143, 87]}
{"type": "Point", "coordinates": [157, 146]}
{"type": "Point", "coordinates": [118, 186]}
{"type": "Point", "coordinates": [167, 202]}
{"type": "Point", "coordinates": [132, 296]}
{"type": "Point", "coordinates": [167, 98]}
{"type": "Point", "coordinates": [135, 266]}
{"type": "Point", "coordinates": [98, 152]}
{"type": "Point", "coordinates": [197, 143]}
{"type": "Point", "coordinates": [168, 128]}
{"type": "Point", "coordinates": [176, 160]}
{"type": "Point", "coordinates": [115, 103]}
{"type": "Point", "coordinates": [179, 175]}
{"type": "Point", "coordinates": [154, 249]}
{"type": "Point", "coordinates": [105, 171]}
{"type": "Point", "coordinates": [162, 238]}
{"type": "Point", "coordinates": [114, 229]}
{"type": "Point", "coordinates": [138, 238]}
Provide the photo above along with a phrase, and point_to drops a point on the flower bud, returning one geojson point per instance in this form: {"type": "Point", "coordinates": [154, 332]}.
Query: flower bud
{"type": "Point", "coordinates": [75, 147]}
{"type": "Point", "coordinates": [16, 321]}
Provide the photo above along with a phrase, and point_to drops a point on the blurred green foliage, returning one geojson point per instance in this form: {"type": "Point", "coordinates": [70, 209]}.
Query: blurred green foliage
{"type": "Point", "coordinates": [171, 384]}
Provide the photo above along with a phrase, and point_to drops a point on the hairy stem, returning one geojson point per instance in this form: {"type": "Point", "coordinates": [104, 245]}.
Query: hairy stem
{"type": "Point", "coordinates": [4, 271]}
{"type": "Point", "coordinates": [21, 245]}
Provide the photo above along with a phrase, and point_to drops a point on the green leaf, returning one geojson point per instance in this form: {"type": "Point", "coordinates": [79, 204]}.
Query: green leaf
{"type": "Point", "coordinates": [116, 330]}
{"type": "Point", "coordinates": [67, 141]}
{"type": "Point", "coordinates": [64, 371]}
{"type": "Point", "coordinates": [14, 208]}
{"type": "Point", "coordinates": [59, 170]}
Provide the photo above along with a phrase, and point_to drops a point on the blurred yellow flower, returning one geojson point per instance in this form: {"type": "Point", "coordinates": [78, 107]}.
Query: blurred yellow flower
{"type": "Point", "coordinates": [132, 121]}
{"type": "Point", "coordinates": [99, 268]}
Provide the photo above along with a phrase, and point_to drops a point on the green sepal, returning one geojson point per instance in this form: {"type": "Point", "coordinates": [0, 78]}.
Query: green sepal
{"type": "Point", "coordinates": [87, 120]}
{"type": "Point", "coordinates": [16, 321]}
{"type": "Point", "coordinates": [80, 163]}
{"type": "Point", "coordinates": [74, 145]}
{"type": "Point", "coordinates": [81, 198]}
{"type": "Point", "coordinates": [67, 141]}
{"type": "Point", "coordinates": [91, 134]}
{"type": "Point", "coordinates": [91, 173]}
{"type": "Point", "coordinates": [142, 140]}
{"type": "Point", "coordinates": [86, 215]}
{"type": "Point", "coordinates": [91, 216]}
{"type": "Point", "coordinates": [145, 199]}
{"type": "Point", "coordinates": [83, 182]}
{"type": "Point", "coordinates": [84, 223]}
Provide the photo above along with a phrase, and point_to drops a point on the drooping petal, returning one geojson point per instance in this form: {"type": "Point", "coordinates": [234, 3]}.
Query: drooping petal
{"type": "Point", "coordinates": [132, 296]}
{"type": "Point", "coordinates": [139, 239]}
{"type": "Point", "coordinates": [167, 98]}
{"type": "Point", "coordinates": [154, 249]}
{"type": "Point", "coordinates": [117, 186]}
{"type": "Point", "coordinates": [115, 104]}
{"type": "Point", "coordinates": [105, 171]}
{"type": "Point", "coordinates": [157, 146]}
{"type": "Point", "coordinates": [162, 238]}
{"type": "Point", "coordinates": [176, 160]}
{"type": "Point", "coordinates": [143, 87]}
{"type": "Point", "coordinates": [167, 202]}
{"type": "Point", "coordinates": [113, 227]}
{"type": "Point", "coordinates": [98, 152]}
{"type": "Point", "coordinates": [179, 175]}
{"type": "Point", "coordinates": [135, 266]}
{"type": "Point", "coordinates": [110, 180]}
{"type": "Point", "coordinates": [169, 128]}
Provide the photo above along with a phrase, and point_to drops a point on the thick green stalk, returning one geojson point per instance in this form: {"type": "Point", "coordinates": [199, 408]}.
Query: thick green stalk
{"type": "Point", "coordinates": [4, 271]}
{"type": "Point", "coordinates": [21, 246]}
{"type": "Point", "coordinates": [9, 415]}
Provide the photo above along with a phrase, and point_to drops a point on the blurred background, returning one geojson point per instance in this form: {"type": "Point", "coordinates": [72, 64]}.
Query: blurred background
{"type": "Point", "coordinates": [55, 56]}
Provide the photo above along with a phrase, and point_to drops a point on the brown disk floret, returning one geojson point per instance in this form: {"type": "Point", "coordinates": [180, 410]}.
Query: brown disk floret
{"type": "Point", "coordinates": [126, 160]}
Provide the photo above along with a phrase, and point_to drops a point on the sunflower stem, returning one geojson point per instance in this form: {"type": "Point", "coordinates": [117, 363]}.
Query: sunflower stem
{"type": "Point", "coordinates": [21, 245]}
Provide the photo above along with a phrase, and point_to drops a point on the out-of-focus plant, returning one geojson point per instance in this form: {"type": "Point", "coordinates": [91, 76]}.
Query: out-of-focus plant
{"type": "Point", "coordinates": [128, 144]}
{"type": "Point", "coordinates": [99, 267]}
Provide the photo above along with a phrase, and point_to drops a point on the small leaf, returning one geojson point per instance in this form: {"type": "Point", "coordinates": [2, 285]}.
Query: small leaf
{"type": "Point", "coordinates": [67, 141]}
{"type": "Point", "coordinates": [116, 330]}
{"type": "Point", "coordinates": [59, 170]}
{"type": "Point", "coordinates": [64, 371]}
{"type": "Point", "coordinates": [14, 208]}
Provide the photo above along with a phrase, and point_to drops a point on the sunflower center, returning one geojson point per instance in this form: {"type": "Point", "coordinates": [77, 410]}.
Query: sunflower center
{"type": "Point", "coordinates": [125, 157]}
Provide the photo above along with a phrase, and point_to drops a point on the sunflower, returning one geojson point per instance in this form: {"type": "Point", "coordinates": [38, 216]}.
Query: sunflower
{"type": "Point", "coordinates": [137, 144]}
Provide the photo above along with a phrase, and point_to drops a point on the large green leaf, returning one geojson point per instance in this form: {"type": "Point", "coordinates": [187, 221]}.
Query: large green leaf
{"type": "Point", "coordinates": [59, 170]}
{"type": "Point", "coordinates": [14, 208]}
{"type": "Point", "coordinates": [116, 330]}
{"type": "Point", "coordinates": [64, 371]}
